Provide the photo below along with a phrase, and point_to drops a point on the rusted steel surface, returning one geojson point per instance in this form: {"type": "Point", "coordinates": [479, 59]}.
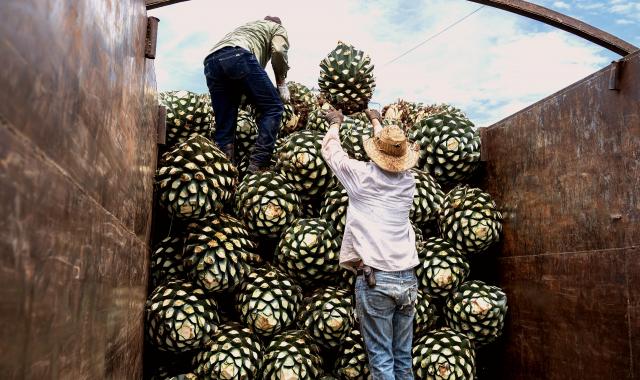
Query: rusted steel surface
{"type": "Point", "coordinates": [77, 157]}
{"type": "Point", "coordinates": [564, 22]}
{"type": "Point", "coordinates": [151, 39]}
{"type": "Point", "coordinates": [569, 168]}
{"type": "Point", "coordinates": [633, 277]}
{"type": "Point", "coordinates": [71, 77]}
{"type": "Point", "coordinates": [566, 172]}
{"type": "Point", "coordinates": [567, 317]}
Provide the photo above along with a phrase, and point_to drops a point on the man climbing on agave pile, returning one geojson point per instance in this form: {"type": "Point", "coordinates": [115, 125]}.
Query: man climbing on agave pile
{"type": "Point", "coordinates": [379, 242]}
{"type": "Point", "coordinates": [235, 67]}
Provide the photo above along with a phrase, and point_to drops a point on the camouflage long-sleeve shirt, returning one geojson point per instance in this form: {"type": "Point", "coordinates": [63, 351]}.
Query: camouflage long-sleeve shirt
{"type": "Point", "coordinates": [266, 40]}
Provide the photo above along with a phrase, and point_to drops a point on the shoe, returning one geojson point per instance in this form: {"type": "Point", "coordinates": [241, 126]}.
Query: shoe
{"type": "Point", "coordinates": [229, 151]}
{"type": "Point", "coordinates": [255, 168]}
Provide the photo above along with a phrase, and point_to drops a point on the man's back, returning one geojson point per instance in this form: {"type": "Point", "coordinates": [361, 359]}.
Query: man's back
{"type": "Point", "coordinates": [379, 235]}
{"type": "Point", "coordinates": [378, 226]}
{"type": "Point", "coordinates": [383, 190]}
{"type": "Point", "coordinates": [377, 229]}
{"type": "Point", "coordinates": [260, 37]}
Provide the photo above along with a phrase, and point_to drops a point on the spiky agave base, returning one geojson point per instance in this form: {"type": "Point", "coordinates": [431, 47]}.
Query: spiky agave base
{"type": "Point", "coordinates": [292, 355]}
{"type": "Point", "coordinates": [352, 363]}
{"type": "Point", "coordinates": [444, 355]}
{"type": "Point", "coordinates": [470, 219]}
{"type": "Point", "coordinates": [303, 102]}
{"type": "Point", "coordinates": [289, 123]}
{"type": "Point", "coordinates": [426, 315]}
{"type": "Point", "coordinates": [477, 310]}
{"type": "Point", "coordinates": [246, 135]}
{"type": "Point", "coordinates": [167, 261]}
{"type": "Point", "coordinates": [266, 203]}
{"type": "Point", "coordinates": [188, 114]}
{"type": "Point", "coordinates": [308, 251]}
{"type": "Point", "coordinates": [334, 208]}
{"type": "Point", "coordinates": [218, 254]}
{"type": "Point", "coordinates": [353, 133]}
{"type": "Point", "coordinates": [316, 120]}
{"type": "Point", "coordinates": [180, 317]}
{"type": "Point", "coordinates": [234, 354]}
{"type": "Point", "coordinates": [328, 316]}
{"type": "Point", "coordinates": [449, 146]}
{"type": "Point", "coordinates": [268, 301]}
{"type": "Point", "coordinates": [301, 163]}
{"type": "Point", "coordinates": [442, 267]}
{"type": "Point", "coordinates": [427, 199]}
{"type": "Point", "coordinates": [346, 78]}
{"type": "Point", "coordinates": [195, 179]}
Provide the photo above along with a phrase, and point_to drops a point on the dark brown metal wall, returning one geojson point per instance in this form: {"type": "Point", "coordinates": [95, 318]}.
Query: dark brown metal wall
{"type": "Point", "coordinates": [567, 174]}
{"type": "Point", "coordinates": [77, 156]}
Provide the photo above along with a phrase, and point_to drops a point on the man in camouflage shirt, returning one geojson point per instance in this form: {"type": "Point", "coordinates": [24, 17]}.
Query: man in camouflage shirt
{"type": "Point", "coordinates": [235, 67]}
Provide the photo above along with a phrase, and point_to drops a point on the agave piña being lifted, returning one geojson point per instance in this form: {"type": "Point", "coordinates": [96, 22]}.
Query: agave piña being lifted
{"type": "Point", "coordinates": [346, 78]}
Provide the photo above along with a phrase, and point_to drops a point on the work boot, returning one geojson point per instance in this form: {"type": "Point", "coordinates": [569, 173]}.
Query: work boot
{"type": "Point", "coordinates": [229, 151]}
{"type": "Point", "coordinates": [255, 168]}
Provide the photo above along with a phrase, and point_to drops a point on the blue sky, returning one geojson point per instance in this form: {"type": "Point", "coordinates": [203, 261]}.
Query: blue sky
{"type": "Point", "coordinates": [490, 65]}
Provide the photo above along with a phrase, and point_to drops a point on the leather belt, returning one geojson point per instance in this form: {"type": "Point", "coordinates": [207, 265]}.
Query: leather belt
{"type": "Point", "coordinates": [360, 271]}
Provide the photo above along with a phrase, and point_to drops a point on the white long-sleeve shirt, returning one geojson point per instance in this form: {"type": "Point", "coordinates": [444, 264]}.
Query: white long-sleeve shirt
{"type": "Point", "coordinates": [377, 229]}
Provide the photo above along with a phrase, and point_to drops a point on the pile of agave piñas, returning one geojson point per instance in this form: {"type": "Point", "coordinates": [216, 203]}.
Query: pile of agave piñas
{"type": "Point", "coordinates": [245, 281]}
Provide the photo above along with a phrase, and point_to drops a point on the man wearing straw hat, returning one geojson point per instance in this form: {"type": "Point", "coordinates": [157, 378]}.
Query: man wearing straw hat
{"type": "Point", "coordinates": [379, 242]}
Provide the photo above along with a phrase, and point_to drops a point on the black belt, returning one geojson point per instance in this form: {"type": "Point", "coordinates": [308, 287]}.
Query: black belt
{"type": "Point", "coordinates": [360, 271]}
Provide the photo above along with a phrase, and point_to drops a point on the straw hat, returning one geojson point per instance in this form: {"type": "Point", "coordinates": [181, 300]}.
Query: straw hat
{"type": "Point", "coordinates": [391, 150]}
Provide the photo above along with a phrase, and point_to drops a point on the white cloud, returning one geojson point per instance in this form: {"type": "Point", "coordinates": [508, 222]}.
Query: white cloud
{"type": "Point", "coordinates": [628, 9]}
{"type": "Point", "coordinates": [561, 5]}
{"type": "Point", "coordinates": [490, 65]}
{"type": "Point", "coordinates": [624, 21]}
{"type": "Point", "coordinates": [590, 5]}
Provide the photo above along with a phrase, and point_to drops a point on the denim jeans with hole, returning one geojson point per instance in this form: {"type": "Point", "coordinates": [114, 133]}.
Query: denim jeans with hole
{"type": "Point", "coordinates": [232, 72]}
{"type": "Point", "coordinates": [386, 314]}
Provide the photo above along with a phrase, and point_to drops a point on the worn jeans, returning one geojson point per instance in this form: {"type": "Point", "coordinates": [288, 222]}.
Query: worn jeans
{"type": "Point", "coordinates": [232, 72]}
{"type": "Point", "coordinates": [386, 314]}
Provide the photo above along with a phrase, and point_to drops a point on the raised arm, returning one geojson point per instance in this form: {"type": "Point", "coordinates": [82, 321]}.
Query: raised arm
{"type": "Point", "coordinates": [376, 120]}
{"type": "Point", "coordinates": [344, 168]}
{"type": "Point", "coordinates": [280, 61]}
{"type": "Point", "coordinates": [332, 151]}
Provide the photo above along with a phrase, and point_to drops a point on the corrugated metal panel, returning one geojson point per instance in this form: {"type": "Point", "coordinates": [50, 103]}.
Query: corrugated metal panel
{"type": "Point", "coordinates": [151, 4]}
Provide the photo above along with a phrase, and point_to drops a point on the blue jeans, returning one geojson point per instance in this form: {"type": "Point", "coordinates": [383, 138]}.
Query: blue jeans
{"type": "Point", "coordinates": [386, 314]}
{"type": "Point", "coordinates": [232, 72]}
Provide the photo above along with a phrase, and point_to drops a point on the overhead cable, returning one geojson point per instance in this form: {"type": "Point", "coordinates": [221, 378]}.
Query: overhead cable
{"type": "Point", "coordinates": [434, 36]}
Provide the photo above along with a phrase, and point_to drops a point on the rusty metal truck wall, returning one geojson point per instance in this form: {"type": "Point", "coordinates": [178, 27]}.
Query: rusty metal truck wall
{"type": "Point", "coordinates": [567, 173]}
{"type": "Point", "coordinates": [77, 156]}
